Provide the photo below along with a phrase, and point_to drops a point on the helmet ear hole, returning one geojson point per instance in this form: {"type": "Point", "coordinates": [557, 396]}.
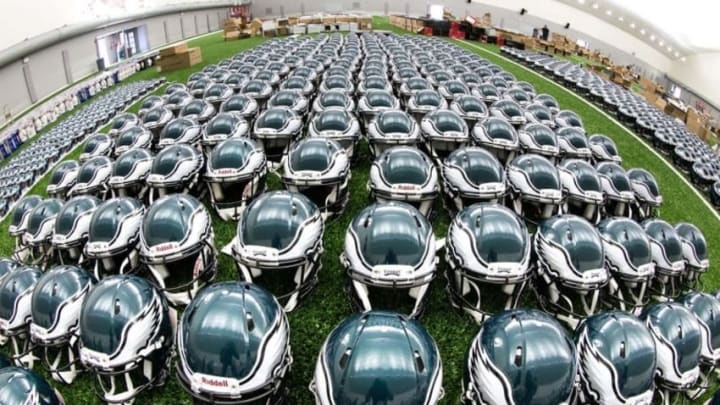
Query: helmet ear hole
{"type": "Point", "coordinates": [622, 349]}
{"type": "Point", "coordinates": [250, 321]}
{"type": "Point", "coordinates": [518, 356]}
{"type": "Point", "coordinates": [345, 358]}
{"type": "Point", "coordinates": [419, 362]}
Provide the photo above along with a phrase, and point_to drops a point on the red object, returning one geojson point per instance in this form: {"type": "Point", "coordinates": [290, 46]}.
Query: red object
{"type": "Point", "coordinates": [427, 31]}
{"type": "Point", "coordinates": [500, 41]}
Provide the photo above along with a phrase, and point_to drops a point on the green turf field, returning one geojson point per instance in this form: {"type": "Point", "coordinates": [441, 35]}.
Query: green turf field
{"type": "Point", "coordinates": [328, 304]}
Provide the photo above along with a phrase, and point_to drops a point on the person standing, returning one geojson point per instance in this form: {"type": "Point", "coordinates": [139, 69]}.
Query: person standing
{"type": "Point", "coordinates": [545, 33]}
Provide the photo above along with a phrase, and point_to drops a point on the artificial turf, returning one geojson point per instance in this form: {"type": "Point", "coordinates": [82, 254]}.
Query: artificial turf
{"type": "Point", "coordinates": [328, 304]}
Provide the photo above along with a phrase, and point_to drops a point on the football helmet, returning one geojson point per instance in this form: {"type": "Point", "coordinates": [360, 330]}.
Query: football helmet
{"type": "Point", "coordinates": [21, 386]}
{"type": "Point", "coordinates": [695, 253]}
{"type": "Point", "coordinates": [62, 179]}
{"type": "Point", "coordinates": [628, 255]}
{"type": "Point", "coordinates": [280, 234]}
{"type": "Point", "coordinates": [536, 190]}
{"type": "Point", "coordinates": [320, 169]}
{"type": "Point", "coordinates": [391, 128]}
{"type": "Point", "coordinates": [259, 90]}
{"type": "Point", "coordinates": [570, 267]}
{"type": "Point", "coordinates": [55, 307]}
{"type": "Point", "coordinates": [470, 108]}
{"type": "Point", "coordinates": [444, 131]}
{"type": "Point", "coordinates": [198, 110]}
{"type": "Point", "coordinates": [413, 85]}
{"type": "Point", "coordinates": [156, 119]}
{"type": "Point", "coordinates": [236, 81]}
{"type": "Point", "coordinates": [217, 93]}
{"type": "Point", "coordinates": [235, 174]}
{"type": "Point", "coordinates": [667, 255]}
{"type": "Point", "coordinates": [374, 83]}
{"type": "Point", "coordinates": [488, 255]}
{"type": "Point", "coordinates": [93, 177]}
{"type": "Point", "coordinates": [472, 174]}
{"type": "Point", "coordinates": [548, 101]}
{"type": "Point", "coordinates": [242, 104]}
{"type": "Point", "coordinates": [180, 130]}
{"type": "Point", "coordinates": [16, 291]}
{"type": "Point", "coordinates": [197, 87]}
{"type": "Point", "coordinates": [389, 246]}
{"type": "Point", "coordinates": [498, 136]}
{"type": "Point", "coordinates": [97, 145]}
{"type": "Point", "coordinates": [619, 195]}
{"type": "Point", "coordinates": [337, 124]}
{"type": "Point", "coordinates": [122, 122]}
{"type": "Point", "coordinates": [345, 361]}
{"type": "Point", "coordinates": [569, 119]}
{"type": "Point", "coordinates": [71, 228]}
{"type": "Point", "coordinates": [268, 76]}
{"type": "Point", "coordinates": [404, 173]}
{"type": "Point", "coordinates": [423, 102]}
{"type": "Point", "coordinates": [149, 103]}
{"type": "Point", "coordinates": [488, 93]}
{"type": "Point", "coordinates": [289, 99]}
{"type": "Point", "coordinates": [518, 95]}
{"type": "Point", "coordinates": [19, 223]}
{"type": "Point", "coordinates": [179, 99]}
{"type": "Point", "coordinates": [300, 85]}
{"type": "Point", "coordinates": [174, 87]}
{"type": "Point", "coordinates": [372, 103]}
{"type": "Point", "coordinates": [678, 344]}
{"type": "Point", "coordinates": [177, 247]}
{"type": "Point", "coordinates": [705, 307]}
{"type": "Point", "coordinates": [39, 232]}
{"type": "Point", "coordinates": [540, 140]}
{"type": "Point", "coordinates": [113, 237]}
{"type": "Point", "coordinates": [221, 127]}
{"type": "Point", "coordinates": [276, 129]}
{"type": "Point", "coordinates": [337, 82]}
{"type": "Point", "coordinates": [539, 114]}
{"type": "Point", "coordinates": [573, 144]}
{"type": "Point", "coordinates": [248, 359]}
{"type": "Point", "coordinates": [125, 337]}
{"type": "Point", "coordinates": [513, 348]}
{"type": "Point", "coordinates": [129, 172]}
{"type": "Point", "coordinates": [453, 88]}
{"type": "Point", "coordinates": [603, 149]}
{"type": "Point", "coordinates": [135, 137]}
{"type": "Point", "coordinates": [583, 191]}
{"type": "Point", "coordinates": [647, 192]}
{"type": "Point", "coordinates": [333, 98]}
{"type": "Point", "coordinates": [509, 111]}
{"type": "Point", "coordinates": [617, 360]}
{"type": "Point", "coordinates": [175, 169]}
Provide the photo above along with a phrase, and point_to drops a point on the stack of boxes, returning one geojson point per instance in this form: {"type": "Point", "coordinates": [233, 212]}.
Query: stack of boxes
{"type": "Point", "coordinates": [234, 28]}
{"type": "Point", "coordinates": [178, 56]}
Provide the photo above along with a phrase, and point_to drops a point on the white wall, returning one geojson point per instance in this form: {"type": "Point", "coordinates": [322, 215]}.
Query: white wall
{"type": "Point", "coordinates": [700, 74]}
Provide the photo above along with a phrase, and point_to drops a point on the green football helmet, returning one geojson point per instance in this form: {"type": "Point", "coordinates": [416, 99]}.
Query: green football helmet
{"type": "Point", "coordinates": [122, 122]}
{"type": "Point", "coordinates": [55, 307]}
{"type": "Point", "coordinates": [129, 172]}
{"type": "Point", "coordinates": [19, 386]}
{"type": "Point", "coordinates": [125, 337]}
{"type": "Point", "coordinates": [92, 178]}
{"type": "Point", "coordinates": [276, 128]}
{"type": "Point", "coordinates": [337, 124]}
{"type": "Point", "coordinates": [391, 249]}
{"type": "Point", "coordinates": [234, 346]}
{"type": "Point", "coordinates": [498, 136]}
{"type": "Point", "coordinates": [224, 125]}
{"type": "Point", "coordinates": [175, 169]}
{"type": "Point", "coordinates": [647, 192]}
{"type": "Point", "coordinates": [619, 195]}
{"type": "Point", "coordinates": [62, 179]}
{"type": "Point", "coordinates": [667, 255]}
{"type": "Point", "coordinates": [242, 104]}
{"type": "Point", "coordinates": [135, 137]}
{"type": "Point", "coordinates": [570, 267]}
{"type": "Point", "coordinates": [378, 357]}
{"type": "Point", "coordinates": [536, 189]}
{"type": "Point", "coordinates": [177, 245]}
{"type": "Point", "coordinates": [488, 254]}
{"type": "Point", "coordinates": [522, 356]}
{"type": "Point", "coordinates": [16, 291]}
{"type": "Point", "coordinates": [39, 232]}
{"type": "Point", "coordinates": [97, 145]}
{"type": "Point", "coordinates": [235, 175]}
{"type": "Point", "coordinates": [444, 131]}
{"type": "Point", "coordinates": [199, 111]}
{"type": "Point", "coordinates": [583, 192]}
{"type": "Point", "coordinates": [472, 174]}
{"type": "Point", "coordinates": [279, 238]}
{"type": "Point", "coordinates": [706, 308]}
{"type": "Point", "coordinates": [695, 253]}
{"type": "Point", "coordinates": [71, 228]}
{"type": "Point", "coordinates": [678, 344]}
{"type": "Point", "coordinates": [19, 223]}
{"type": "Point", "coordinates": [617, 360]}
{"type": "Point", "coordinates": [391, 128]}
{"type": "Point", "coordinates": [184, 129]}
{"type": "Point", "coordinates": [113, 236]}
{"type": "Point", "coordinates": [4, 362]}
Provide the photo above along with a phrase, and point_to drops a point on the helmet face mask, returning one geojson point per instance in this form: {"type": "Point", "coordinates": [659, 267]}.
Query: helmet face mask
{"type": "Point", "coordinates": [177, 247]}
{"type": "Point", "coordinates": [56, 303]}
{"type": "Point", "coordinates": [320, 169]}
{"type": "Point", "coordinates": [375, 267]}
{"type": "Point", "coordinates": [235, 174]}
{"type": "Point", "coordinates": [484, 262]}
{"type": "Point", "coordinates": [258, 375]}
{"type": "Point", "coordinates": [135, 358]}
{"type": "Point", "coordinates": [280, 258]}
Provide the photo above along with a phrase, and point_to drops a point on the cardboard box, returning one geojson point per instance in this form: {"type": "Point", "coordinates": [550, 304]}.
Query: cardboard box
{"type": "Point", "coordinates": [174, 49]}
{"type": "Point", "coordinates": [293, 20]}
{"type": "Point", "coordinates": [231, 35]}
{"type": "Point", "coordinates": [660, 103]}
{"type": "Point", "coordinates": [191, 57]}
{"type": "Point", "coordinates": [283, 31]}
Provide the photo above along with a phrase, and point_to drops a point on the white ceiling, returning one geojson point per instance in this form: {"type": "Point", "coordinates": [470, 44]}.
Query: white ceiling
{"type": "Point", "coordinates": [677, 28]}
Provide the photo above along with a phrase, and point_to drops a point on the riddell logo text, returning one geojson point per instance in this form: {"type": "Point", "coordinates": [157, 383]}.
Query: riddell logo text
{"type": "Point", "coordinates": [214, 383]}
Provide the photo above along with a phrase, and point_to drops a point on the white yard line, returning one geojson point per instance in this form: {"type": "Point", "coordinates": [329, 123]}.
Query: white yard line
{"type": "Point", "coordinates": [611, 118]}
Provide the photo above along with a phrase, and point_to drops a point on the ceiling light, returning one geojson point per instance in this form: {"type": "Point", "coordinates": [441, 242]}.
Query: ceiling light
{"type": "Point", "coordinates": [621, 19]}
{"type": "Point", "coordinates": [632, 25]}
{"type": "Point", "coordinates": [677, 54]}
{"type": "Point", "coordinates": [652, 37]}
{"type": "Point", "coordinates": [609, 12]}
{"type": "Point", "coordinates": [662, 43]}
{"type": "Point", "coordinates": [683, 59]}
{"type": "Point", "coordinates": [669, 48]}
{"type": "Point", "coordinates": [581, 1]}
{"type": "Point", "coordinates": [596, 6]}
